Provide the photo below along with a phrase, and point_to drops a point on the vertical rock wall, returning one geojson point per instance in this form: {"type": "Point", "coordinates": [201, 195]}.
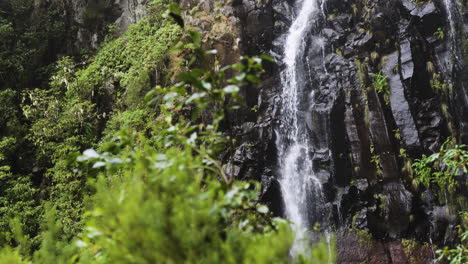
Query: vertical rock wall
{"type": "Point", "coordinates": [90, 18]}
{"type": "Point", "coordinates": [374, 133]}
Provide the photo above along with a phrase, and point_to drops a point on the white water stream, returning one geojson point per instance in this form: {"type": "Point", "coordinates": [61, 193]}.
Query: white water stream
{"type": "Point", "coordinates": [450, 7]}
{"type": "Point", "coordinates": [299, 186]}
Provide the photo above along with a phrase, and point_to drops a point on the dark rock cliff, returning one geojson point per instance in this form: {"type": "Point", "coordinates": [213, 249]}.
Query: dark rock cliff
{"type": "Point", "coordinates": [88, 21]}
{"type": "Point", "coordinates": [366, 137]}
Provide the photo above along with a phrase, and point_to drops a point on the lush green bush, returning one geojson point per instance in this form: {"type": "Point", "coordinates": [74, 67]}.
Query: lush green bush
{"type": "Point", "coordinates": [29, 34]}
{"type": "Point", "coordinates": [446, 172]}
{"type": "Point", "coordinates": [444, 169]}
{"type": "Point", "coordinates": [71, 114]}
{"type": "Point", "coordinates": [457, 255]}
{"type": "Point", "coordinates": [123, 68]}
{"type": "Point", "coordinates": [167, 207]}
{"type": "Point", "coordinates": [154, 191]}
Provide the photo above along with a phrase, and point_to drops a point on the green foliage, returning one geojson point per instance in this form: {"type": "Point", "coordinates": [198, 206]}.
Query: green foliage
{"type": "Point", "coordinates": [459, 254]}
{"type": "Point", "coordinates": [156, 191]}
{"type": "Point", "coordinates": [59, 126]}
{"type": "Point", "coordinates": [376, 160]}
{"type": "Point", "coordinates": [71, 114]}
{"type": "Point", "coordinates": [153, 207]}
{"type": "Point", "coordinates": [439, 33]}
{"type": "Point", "coordinates": [54, 249]}
{"type": "Point", "coordinates": [28, 41]}
{"type": "Point", "coordinates": [381, 85]}
{"type": "Point", "coordinates": [139, 120]}
{"type": "Point", "coordinates": [121, 69]}
{"type": "Point", "coordinates": [164, 203]}
{"type": "Point", "coordinates": [11, 128]}
{"type": "Point", "coordinates": [443, 168]}
{"type": "Point", "coordinates": [10, 256]}
{"type": "Point", "coordinates": [29, 34]}
{"type": "Point", "coordinates": [445, 171]}
{"type": "Point", "coordinates": [438, 83]}
{"type": "Point", "coordinates": [17, 199]}
{"type": "Point", "coordinates": [456, 255]}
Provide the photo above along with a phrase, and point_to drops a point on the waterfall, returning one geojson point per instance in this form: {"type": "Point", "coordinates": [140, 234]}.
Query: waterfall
{"type": "Point", "coordinates": [449, 7]}
{"type": "Point", "coordinates": [454, 15]}
{"type": "Point", "coordinates": [301, 189]}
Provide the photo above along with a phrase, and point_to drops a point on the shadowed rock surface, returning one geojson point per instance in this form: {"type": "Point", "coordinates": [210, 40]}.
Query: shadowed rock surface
{"type": "Point", "coordinates": [364, 136]}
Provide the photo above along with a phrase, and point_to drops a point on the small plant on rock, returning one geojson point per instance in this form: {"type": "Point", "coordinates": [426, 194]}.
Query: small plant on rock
{"type": "Point", "coordinates": [439, 33]}
{"type": "Point", "coordinates": [381, 85]}
{"type": "Point", "coordinates": [443, 168]}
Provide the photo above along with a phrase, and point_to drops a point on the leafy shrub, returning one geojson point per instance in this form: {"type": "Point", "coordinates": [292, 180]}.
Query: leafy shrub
{"type": "Point", "coordinates": [446, 171]}
{"type": "Point", "coordinates": [381, 85]}
{"type": "Point", "coordinates": [443, 168]}
{"type": "Point", "coordinates": [459, 254]}
{"type": "Point", "coordinates": [456, 255]}
{"type": "Point", "coordinates": [71, 114]}
{"type": "Point", "coordinates": [155, 192]}
{"type": "Point", "coordinates": [165, 207]}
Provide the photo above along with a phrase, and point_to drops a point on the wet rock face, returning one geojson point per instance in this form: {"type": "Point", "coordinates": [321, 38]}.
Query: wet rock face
{"type": "Point", "coordinates": [388, 126]}
{"type": "Point", "coordinates": [131, 12]}
{"type": "Point", "coordinates": [366, 133]}
{"type": "Point", "coordinates": [257, 25]}
{"type": "Point", "coordinates": [359, 248]}
{"type": "Point", "coordinates": [91, 18]}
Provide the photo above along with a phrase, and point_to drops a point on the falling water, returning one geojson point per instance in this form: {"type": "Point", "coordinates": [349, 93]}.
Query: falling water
{"type": "Point", "coordinates": [451, 20]}
{"type": "Point", "coordinates": [453, 16]}
{"type": "Point", "coordinates": [300, 188]}
{"type": "Point", "coordinates": [448, 7]}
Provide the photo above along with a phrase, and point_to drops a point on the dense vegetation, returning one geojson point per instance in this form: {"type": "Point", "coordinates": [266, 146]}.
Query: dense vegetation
{"type": "Point", "coordinates": [444, 172]}
{"type": "Point", "coordinates": [111, 156]}
{"type": "Point", "coordinates": [92, 173]}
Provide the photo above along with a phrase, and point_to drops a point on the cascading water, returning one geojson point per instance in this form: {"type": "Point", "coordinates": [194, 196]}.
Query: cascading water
{"type": "Point", "coordinates": [454, 17]}
{"type": "Point", "coordinates": [300, 187]}
{"type": "Point", "coordinates": [450, 7]}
